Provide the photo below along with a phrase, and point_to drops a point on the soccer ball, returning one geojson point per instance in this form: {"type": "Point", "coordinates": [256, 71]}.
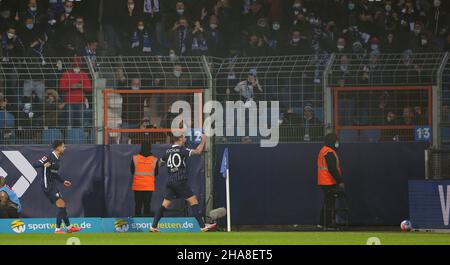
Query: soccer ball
{"type": "Point", "coordinates": [406, 225]}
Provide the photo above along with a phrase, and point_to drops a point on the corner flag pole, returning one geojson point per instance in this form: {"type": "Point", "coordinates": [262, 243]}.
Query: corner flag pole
{"type": "Point", "coordinates": [228, 200]}
{"type": "Point", "coordinates": [225, 171]}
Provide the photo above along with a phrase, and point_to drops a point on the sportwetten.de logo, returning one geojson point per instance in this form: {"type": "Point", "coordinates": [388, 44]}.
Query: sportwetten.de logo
{"type": "Point", "coordinates": [121, 226]}
{"type": "Point", "coordinates": [18, 226]}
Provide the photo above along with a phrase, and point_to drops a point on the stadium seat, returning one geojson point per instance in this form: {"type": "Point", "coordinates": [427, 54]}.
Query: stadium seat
{"type": "Point", "coordinates": [348, 136]}
{"type": "Point", "coordinates": [370, 135]}
{"type": "Point", "coordinates": [75, 136]}
{"type": "Point", "coordinates": [50, 135]}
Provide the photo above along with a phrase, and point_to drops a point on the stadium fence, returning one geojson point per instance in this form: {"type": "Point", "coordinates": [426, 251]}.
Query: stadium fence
{"type": "Point", "coordinates": [317, 94]}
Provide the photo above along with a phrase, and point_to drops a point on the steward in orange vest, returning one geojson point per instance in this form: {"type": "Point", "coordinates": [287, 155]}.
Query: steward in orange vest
{"type": "Point", "coordinates": [329, 178]}
{"type": "Point", "coordinates": [144, 169]}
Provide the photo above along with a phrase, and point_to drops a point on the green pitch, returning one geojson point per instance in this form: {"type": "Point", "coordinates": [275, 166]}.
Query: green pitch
{"type": "Point", "coordinates": [235, 238]}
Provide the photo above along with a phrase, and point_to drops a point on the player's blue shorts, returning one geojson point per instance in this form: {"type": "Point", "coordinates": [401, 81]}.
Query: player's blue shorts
{"type": "Point", "coordinates": [178, 189]}
{"type": "Point", "coordinates": [53, 194]}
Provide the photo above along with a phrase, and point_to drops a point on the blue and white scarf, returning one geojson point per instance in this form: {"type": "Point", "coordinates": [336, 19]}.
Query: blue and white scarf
{"type": "Point", "coordinates": [150, 5]}
{"type": "Point", "coordinates": [135, 42]}
{"type": "Point", "coordinates": [199, 44]}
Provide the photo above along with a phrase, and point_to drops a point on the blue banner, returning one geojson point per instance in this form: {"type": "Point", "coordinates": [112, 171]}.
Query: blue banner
{"type": "Point", "coordinates": [429, 204]}
{"type": "Point", "coordinates": [123, 225]}
{"type": "Point", "coordinates": [100, 176]}
{"type": "Point", "coordinates": [47, 225]}
{"type": "Point", "coordinates": [98, 225]}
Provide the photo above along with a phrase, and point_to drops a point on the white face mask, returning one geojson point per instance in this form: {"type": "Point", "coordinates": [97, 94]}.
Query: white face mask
{"type": "Point", "coordinates": [173, 57]}
{"type": "Point", "coordinates": [135, 87]}
{"type": "Point", "coordinates": [141, 28]}
{"type": "Point", "coordinates": [131, 6]}
{"type": "Point", "coordinates": [68, 10]}
{"type": "Point", "coordinates": [33, 9]}
{"type": "Point", "coordinates": [424, 42]}
{"type": "Point", "coordinates": [77, 70]}
{"type": "Point", "coordinates": [336, 145]}
{"type": "Point", "coordinates": [340, 47]}
{"type": "Point", "coordinates": [295, 39]}
{"type": "Point", "coordinates": [180, 11]}
{"type": "Point", "coordinates": [213, 26]}
{"type": "Point", "coordinates": [276, 27]}
{"type": "Point", "coordinates": [177, 73]}
{"type": "Point", "coordinates": [374, 46]}
{"type": "Point", "coordinates": [10, 35]}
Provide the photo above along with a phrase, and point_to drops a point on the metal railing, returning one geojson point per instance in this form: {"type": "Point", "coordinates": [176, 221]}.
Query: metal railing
{"type": "Point", "coordinates": [301, 85]}
{"type": "Point", "coordinates": [42, 99]}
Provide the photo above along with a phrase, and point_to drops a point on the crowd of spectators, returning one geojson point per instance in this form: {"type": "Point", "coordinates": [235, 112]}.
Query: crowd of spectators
{"type": "Point", "coordinates": [220, 28]}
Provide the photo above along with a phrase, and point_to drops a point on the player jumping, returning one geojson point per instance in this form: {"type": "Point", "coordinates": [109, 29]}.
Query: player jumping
{"type": "Point", "coordinates": [51, 164]}
{"type": "Point", "coordinates": [177, 186]}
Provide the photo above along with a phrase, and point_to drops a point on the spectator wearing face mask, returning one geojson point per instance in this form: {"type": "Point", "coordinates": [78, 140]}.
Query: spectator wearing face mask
{"type": "Point", "coordinates": [76, 85]}
{"type": "Point", "coordinates": [276, 38]}
{"type": "Point", "coordinates": [199, 44]}
{"type": "Point", "coordinates": [298, 45]}
{"type": "Point", "coordinates": [181, 36]}
{"type": "Point", "coordinates": [142, 43]}
{"type": "Point", "coordinates": [133, 105]}
{"type": "Point", "coordinates": [12, 45]}
{"type": "Point", "coordinates": [341, 46]}
{"type": "Point", "coordinates": [28, 32]}
{"type": "Point", "coordinates": [425, 44]}
{"type": "Point", "coordinates": [33, 11]}
{"type": "Point", "coordinates": [177, 12]}
{"type": "Point", "coordinates": [249, 87]}
{"type": "Point", "coordinates": [75, 39]}
{"type": "Point", "coordinates": [311, 127]}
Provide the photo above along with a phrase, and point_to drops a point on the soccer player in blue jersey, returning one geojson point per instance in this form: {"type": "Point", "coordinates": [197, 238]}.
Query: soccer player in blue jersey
{"type": "Point", "coordinates": [177, 187]}
{"type": "Point", "coordinates": [50, 165]}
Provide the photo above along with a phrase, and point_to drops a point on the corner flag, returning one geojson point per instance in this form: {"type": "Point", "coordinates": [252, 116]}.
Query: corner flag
{"type": "Point", "coordinates": [224, 165]}
{"type": "Point", "coordinates": [225, 171]}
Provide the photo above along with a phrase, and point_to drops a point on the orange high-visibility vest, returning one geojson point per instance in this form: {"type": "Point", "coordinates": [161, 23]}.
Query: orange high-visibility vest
{"type": "Point", "coordinates": [324, 178]}
{"type": "Point", "coordinates": [144, 173]}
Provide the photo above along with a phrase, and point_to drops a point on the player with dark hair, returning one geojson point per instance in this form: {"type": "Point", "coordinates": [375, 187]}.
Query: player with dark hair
{"type": "Point", "coordinates": [177, 187]}
{"type": "Point", "coordinates": [51, 164]}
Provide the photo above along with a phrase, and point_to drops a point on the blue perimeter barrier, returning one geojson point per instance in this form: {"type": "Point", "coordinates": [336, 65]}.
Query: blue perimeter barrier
{"type": "Point", "coordinates": [429, 204]}
{"type": "Point", "coordinates": [98, 225]}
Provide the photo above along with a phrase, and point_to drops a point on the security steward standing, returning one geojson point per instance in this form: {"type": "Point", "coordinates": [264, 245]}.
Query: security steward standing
{"type": "Point", "coordinates": [143, 168]}
{"type": "Point", "coordinates": [329, 179]}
